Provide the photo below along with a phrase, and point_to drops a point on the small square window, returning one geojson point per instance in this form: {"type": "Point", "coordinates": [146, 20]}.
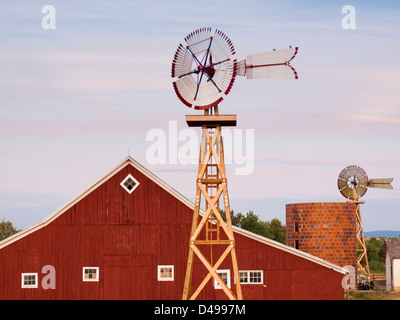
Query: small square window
{"type": "Point", "coordinates": [255, 276]}
{"type": "Point", "coordinates": [29, 280]}
{"type": "Point", "coordinates": [165, 273]}
{"type": "Point", "coordinates": [244, 276]}
{"type": "Point", "coordinates": [129, 183]}
{"type": "Point", "coordinates": [251, 276]}
{"type": "Point", "coordinates": [90, 274]}
{"type": "Point", "coordinates": [225, 276]}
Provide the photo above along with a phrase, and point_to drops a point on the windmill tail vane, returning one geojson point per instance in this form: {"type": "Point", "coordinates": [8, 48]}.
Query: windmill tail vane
{"type": "Point", "coordinates": [269, 65]}
{"type": "Point", "coordinates": [381, 183]}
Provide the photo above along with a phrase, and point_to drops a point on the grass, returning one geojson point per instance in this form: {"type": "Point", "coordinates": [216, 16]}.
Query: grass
{"type": "Point", "coordinates": [376, 294]}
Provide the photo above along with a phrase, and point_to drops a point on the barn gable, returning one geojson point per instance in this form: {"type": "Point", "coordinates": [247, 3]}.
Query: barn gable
{"type": "Point", "coordinates": [131, 230]}
{"type": "Point", "coordinates": [119, 169]}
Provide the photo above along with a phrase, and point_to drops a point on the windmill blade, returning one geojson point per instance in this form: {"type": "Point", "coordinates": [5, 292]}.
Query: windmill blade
{"type": "Point", "coordinates": [207, 96]}
{"type": "Point", "coordinates": [362, 179]}
{"type": "Point", "coordinates": [381, 183]}
{"type": "Point", "coordinates": [352, 171]}
{"type": "Point", "coordinates": [342, 183]}
{"type": "Point", "coordinates": [271, 65]}
{"type": "Point", "coordinates": [346, 192]}
{"type": "Point", "coordinates": [360, 190]}
{"type": "Point", "coordinates": [354, 194]}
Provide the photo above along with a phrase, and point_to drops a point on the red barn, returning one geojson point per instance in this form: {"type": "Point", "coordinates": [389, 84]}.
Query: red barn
{"type": "Point", "coordinates": [126, 237]}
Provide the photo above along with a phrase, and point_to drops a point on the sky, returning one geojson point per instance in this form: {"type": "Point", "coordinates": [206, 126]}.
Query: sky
{"type": "Point", "coordinates": [77, 99]}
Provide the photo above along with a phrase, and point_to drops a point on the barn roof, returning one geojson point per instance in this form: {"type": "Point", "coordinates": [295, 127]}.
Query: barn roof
{"type": "Point", "coordinates": [130, 161]}
{"type": "Point", "coordinates": [392, 247]}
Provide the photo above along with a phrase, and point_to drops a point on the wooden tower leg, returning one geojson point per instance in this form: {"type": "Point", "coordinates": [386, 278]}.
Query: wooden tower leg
{"type": "Point", "coordinates": [211, 185]}
{"type": "Point", "coordinates": [361, 246]}
{"type": "Point", "coordinates": [362, 258]}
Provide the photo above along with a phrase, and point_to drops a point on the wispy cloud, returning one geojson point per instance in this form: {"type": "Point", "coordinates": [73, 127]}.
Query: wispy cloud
{"type": "Point", "coordinates": [86, 72]}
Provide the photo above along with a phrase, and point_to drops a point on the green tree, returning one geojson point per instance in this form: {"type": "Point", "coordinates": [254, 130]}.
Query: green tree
{"type": "Point", "coordinates": [251, 222]}
{"type": "Point", "coordinates": [376, 259]}
{"type": "Point", "coordinates": [6, 229]}
{"type": "Point", "coordinates": [278, 231]}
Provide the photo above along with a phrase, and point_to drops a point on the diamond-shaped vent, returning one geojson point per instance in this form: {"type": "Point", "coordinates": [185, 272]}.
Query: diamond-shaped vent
{"type": "Point", "coordinates": [129, 183]}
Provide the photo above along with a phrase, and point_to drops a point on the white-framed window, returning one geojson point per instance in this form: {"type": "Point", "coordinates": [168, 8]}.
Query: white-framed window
{"type": "Point", "coordinates": [29, 280]}
{"type": "Point", "coordinates": [90, 274]}
{"type": "Point", "coordinates": [129, 183]}
{"type": "Point", "coordinates": [225, 275]}
{"type": "Point", "coordinates": [165, 273]}
{"type": "Point", "coordinates": [251, 276]}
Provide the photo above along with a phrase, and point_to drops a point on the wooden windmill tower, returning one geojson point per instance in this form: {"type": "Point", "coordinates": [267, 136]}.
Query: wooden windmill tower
{"type": "Point", "coordinates": [353, 183]}
{"type": "Point", "coordinates": [204, 69]}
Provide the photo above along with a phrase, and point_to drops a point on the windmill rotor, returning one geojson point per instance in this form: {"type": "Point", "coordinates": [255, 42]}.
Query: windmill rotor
{"type": "Point", "coordinates": [353, 182]}
{"type": "Point", "coordinates": [204, 69]}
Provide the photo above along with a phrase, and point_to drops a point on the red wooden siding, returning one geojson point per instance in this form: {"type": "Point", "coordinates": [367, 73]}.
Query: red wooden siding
{"type": "Point", "coordinates": [128, 235]}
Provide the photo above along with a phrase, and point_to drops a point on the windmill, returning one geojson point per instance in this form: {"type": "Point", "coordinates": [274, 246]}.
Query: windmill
{"type": "Point", "coordinates": [204, 70]}
{"type": "Point", "coordinates": [353, 183]}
